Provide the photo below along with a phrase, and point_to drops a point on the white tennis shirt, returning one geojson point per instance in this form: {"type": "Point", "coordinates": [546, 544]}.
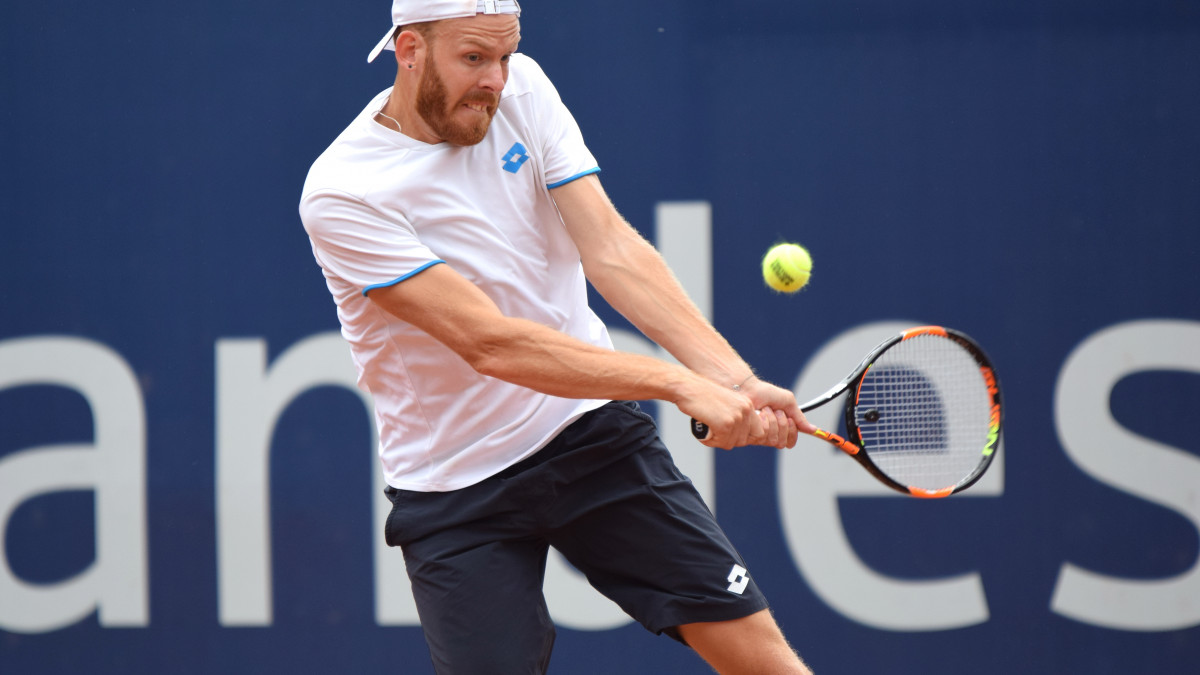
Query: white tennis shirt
{"type": "Point", "coordinates": [380, 207]}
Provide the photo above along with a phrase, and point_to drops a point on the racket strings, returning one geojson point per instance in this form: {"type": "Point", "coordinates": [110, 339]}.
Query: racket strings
{"type": "Point", "coordinates": [923, 412]}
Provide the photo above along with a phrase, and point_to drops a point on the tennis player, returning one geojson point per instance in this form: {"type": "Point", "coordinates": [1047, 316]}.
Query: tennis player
{"type": "Point", "coordinates": [457, 221]}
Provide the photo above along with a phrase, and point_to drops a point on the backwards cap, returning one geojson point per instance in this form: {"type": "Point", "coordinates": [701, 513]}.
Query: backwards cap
{"type": "Point", "coordinates": [405, 12]}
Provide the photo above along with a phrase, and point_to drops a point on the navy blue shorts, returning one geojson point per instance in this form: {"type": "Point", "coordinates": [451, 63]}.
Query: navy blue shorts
{"type": "Point", "coordinates": [605, 493]}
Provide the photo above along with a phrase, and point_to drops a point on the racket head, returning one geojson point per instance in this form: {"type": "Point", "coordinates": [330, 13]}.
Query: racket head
{"type": "Point", "coordinates": [926, 411]}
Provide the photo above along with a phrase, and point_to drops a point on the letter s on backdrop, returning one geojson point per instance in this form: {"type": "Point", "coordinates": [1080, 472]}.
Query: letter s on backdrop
{"type": "Point", "coordinates": [1140, 466]}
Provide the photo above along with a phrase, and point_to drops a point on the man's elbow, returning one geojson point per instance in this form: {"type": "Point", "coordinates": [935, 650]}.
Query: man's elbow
{"type": "Point", "coordinates": [487, 354]}
{"type": "Point", "coordinates": [489, 364]}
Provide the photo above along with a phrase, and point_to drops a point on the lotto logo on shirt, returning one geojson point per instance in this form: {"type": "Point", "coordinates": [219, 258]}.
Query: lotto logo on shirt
{"type": "Point", "coordinates": [738, 579]}
{"type": "Point", "coordinates": [515, 158]}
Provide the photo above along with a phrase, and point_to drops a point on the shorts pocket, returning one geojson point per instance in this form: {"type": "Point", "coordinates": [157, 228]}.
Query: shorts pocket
{"type": "Point", "coordinates": [391, 528]}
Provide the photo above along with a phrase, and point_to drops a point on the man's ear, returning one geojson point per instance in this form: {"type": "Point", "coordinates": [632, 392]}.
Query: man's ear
{"type": "Point", "coordinates": [410, 48]}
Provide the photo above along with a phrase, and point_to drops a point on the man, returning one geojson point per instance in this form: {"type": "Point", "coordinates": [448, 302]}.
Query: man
{"type": "Point", "coordinates": [457, 221]}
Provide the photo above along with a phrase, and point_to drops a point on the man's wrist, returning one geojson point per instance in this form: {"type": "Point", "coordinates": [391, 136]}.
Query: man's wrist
{"type": "Point", "coordinates": [738, 386]}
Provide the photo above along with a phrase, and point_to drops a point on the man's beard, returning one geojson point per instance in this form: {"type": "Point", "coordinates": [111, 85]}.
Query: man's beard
{"type": "Point", "coordinates": [431, 106]}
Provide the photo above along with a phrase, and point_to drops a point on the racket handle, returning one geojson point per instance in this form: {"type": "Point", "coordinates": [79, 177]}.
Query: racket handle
{"type": "Point", "coordinates": [700, 431]}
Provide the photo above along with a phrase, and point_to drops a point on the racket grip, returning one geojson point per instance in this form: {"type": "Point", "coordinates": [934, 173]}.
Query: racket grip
{"type": "Point", "coordinates": [699, 429]}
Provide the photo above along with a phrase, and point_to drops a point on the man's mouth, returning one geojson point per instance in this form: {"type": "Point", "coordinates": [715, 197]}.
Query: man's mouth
{"type": "Point", "coordinates": [481, 105]}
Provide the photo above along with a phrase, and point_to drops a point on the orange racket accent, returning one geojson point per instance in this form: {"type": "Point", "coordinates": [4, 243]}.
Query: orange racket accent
{"type": "Point", "coordinates": [989, 378]}
{"type": "Point", "coordinates": [924, 330]}
{"type": "Point", "coordinates": [993, 437]}
{"type": "Point", "coordinates": [931, 494]}
{"type": "Point", "coordinates": [842, 444]}
{"type": "Point", "coordinates": [858, 392]}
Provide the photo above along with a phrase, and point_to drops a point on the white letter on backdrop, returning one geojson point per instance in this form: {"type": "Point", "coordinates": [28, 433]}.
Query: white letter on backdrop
{"type": "Point", "coordinates": [1131, 463]}
{"type": "Point", "coordinates": [113, 466]}
{"type": "Point", "coordinates": [250, 399]}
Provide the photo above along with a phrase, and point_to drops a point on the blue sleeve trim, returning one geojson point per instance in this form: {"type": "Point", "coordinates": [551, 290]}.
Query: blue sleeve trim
{"type": "Point", "coordinates": [575, 177]}
{"type": "Point", "coordinates": [397, 280]}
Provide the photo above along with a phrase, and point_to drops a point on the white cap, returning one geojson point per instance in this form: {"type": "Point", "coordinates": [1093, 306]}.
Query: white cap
{"type": "Point", "coordinates": [405, 12]}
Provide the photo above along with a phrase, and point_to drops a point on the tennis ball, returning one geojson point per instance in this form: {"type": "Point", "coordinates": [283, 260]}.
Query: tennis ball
{"type": "Point", "coordinates": [786, 267]}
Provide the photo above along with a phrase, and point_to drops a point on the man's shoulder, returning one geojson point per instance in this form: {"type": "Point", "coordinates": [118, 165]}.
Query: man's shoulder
{"type": "Point", "coordinates": [349, 161]}
{"type": "Point", "coordinates": [340, 168]}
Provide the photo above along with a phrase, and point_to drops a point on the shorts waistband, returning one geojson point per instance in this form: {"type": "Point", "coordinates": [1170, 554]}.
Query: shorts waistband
{"type": "Point", "coordinates": [557, 445]}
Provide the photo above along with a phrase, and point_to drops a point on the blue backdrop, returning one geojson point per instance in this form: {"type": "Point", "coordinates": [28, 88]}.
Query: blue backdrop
{"type": "Point", "coordinates": [1028, 172]}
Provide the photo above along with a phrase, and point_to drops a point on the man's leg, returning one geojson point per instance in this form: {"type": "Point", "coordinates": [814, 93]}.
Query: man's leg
{"type": "Point", "coordinates": [645, 538]}
{"type": "Point", "coordinates": [477, 572]}
{"type": "Point", "coordinates": [752, 645]}
{"type": "Point", "coordinates": [482, 609]}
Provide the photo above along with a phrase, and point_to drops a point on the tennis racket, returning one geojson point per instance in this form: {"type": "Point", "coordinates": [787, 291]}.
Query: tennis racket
{"type": "Point", "coordinates": [923, 413]}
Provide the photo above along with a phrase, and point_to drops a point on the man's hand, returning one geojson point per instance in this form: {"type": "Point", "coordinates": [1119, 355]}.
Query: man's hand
{"type": "Point", "coordinates": [730, 415]}
{"type": "Point", "coordinates": [783, 419]}
{"type": "Point", "coordinates": [758, 413]}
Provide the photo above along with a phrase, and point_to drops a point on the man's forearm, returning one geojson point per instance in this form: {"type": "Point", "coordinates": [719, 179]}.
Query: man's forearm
{"type": "Point", "coordinates": [540, 358]}
{"type": "Point", "coordinates": [639, 284]}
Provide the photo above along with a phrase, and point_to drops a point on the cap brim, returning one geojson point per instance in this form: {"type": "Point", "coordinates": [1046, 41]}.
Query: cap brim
{"type": "Point", "coordinates": [385, 43]}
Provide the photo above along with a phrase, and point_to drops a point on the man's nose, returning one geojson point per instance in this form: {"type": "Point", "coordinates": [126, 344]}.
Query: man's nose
{"type": "Point", "coordinates": [494, 77]}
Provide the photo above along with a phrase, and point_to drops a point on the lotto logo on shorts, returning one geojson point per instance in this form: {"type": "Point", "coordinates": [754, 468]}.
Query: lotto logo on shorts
{"type": "Point", "coordinates": [738, 579]}
{"type": "Point", "coordinates": [515, 158]}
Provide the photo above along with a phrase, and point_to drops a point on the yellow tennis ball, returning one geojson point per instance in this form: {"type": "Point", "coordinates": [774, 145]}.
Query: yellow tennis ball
{"type": "Point", "coordinates": [787, 267]}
